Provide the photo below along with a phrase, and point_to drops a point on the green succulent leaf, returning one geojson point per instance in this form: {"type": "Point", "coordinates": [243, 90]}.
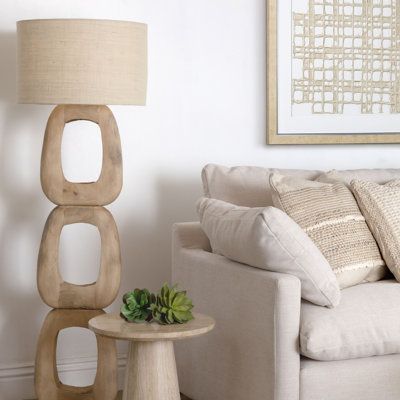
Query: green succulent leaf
{"type": "Point", "coordinates": [171, 306]}
{"type": "Point", "coordinates": [136, 307]}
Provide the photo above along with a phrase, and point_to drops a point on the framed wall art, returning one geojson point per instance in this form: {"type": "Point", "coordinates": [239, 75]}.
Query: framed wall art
{"type": "Point", "coordinates": [333, 71]}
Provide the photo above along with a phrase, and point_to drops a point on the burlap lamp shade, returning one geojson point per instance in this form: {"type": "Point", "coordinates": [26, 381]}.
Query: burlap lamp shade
{"type": "Point", "coordinates": [82, 61]}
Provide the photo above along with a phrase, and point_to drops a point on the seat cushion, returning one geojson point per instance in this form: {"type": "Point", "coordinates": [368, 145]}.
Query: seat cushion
{"type": "Point", "coordinates": [365, 323]}
{"type": "Point", "coordinates": [369, 378]}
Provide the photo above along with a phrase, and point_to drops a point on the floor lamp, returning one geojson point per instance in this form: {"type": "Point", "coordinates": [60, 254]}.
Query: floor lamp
{"type": "Point", "coordinates": [81, 65]}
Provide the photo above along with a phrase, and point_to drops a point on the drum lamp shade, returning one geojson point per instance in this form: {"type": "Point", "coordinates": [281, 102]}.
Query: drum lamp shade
{"type": "Point", "coordinates": [82, 61]}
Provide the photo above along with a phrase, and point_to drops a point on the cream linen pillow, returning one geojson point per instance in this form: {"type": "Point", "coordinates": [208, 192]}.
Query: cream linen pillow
{"type": "Point", "coordinates": [380, 205]}
{"type": "Point", "coordinates": [330, 216]}
{"type": "Point", "coordinates": [267, 238]}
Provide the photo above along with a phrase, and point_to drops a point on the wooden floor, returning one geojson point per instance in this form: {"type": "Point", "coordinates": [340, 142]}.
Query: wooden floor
{"type": "Point", "coordinates": [183, 397]}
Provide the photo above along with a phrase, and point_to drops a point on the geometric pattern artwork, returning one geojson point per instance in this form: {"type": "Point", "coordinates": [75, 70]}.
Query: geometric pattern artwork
{"type": "Point", "coordinates": [348, 56]}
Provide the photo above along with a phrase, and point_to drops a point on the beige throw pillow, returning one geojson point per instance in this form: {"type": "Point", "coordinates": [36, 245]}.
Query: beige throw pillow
{"type": "Point", "coordinates": [267, 238]}
{"type": "Point", "coordinates": [380, 205]}
{"type": "Point", "coordinates": [330, 216]}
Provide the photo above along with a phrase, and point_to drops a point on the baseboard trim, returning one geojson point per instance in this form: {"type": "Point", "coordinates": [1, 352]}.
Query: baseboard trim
{"type": "Point", "coordinates": [16, 380]}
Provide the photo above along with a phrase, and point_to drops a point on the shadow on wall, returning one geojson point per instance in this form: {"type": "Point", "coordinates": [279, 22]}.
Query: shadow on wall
{"type": "Point", "coordinates": [145, 242]}
{"type": "Point", "coordinates": [148, 246]}
{"type": "Point", "coordinates": [22, 213]}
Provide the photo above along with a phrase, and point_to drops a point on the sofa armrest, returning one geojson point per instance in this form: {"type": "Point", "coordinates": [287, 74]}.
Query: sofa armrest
{"type": "Point", "coordinates": [252, 354]}
{"type": "Point", "coordinates": [189, 235]}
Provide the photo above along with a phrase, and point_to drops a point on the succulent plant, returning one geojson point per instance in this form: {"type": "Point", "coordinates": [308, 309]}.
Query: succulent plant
{"type": "Point", "coordinates": [136, 307]}
{"type": "Point", "coordinates": [172, 306]}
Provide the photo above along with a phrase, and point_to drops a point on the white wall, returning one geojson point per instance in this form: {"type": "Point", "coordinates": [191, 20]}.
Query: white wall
{"type": "Point", "coordinates": [206, 103]}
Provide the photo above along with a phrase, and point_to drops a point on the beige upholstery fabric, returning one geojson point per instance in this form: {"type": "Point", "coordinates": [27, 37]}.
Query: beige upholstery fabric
{"type": "Point", "coordinates": [373, 378]}
{"type": "Point", "coordinates": [258, 358]}
{"type": "Point", "coordinates": [244, 186]}
{"type": "Point", "coordinates": [380, 205]}
{"type": "Point", "coordinates": [329, 214]}
{"type": "Point", "coordinates": [373, 175]}
{"type": "Point", "coordinates": [252, 353]}
{"type": "Point", "coordinates": [366, 323]}
{"type": "Point", "coordinates": [268, 238]}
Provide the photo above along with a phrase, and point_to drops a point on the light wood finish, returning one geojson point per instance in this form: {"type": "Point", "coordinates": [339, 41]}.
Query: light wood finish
{"type": "Point", "coordinates": [80, 203]}
{"type": "Point", "coordinates": [82, 61]}
{"type": "Point", "coordinates": [112, 325]}
{"type": "Point", "coordinates": [119, 397]}
{"type": "Point", "coordinates": [59, 294]}
{"type": "Point", "coordinates": [151, 369]}
{"type": "Point", "coordinates": [55, 186]}
{"type": "Point", "coordinates": [272, 100]}
{"type": "Point", "coordinates": [47, 383]}
{"type": "Point", "coordinates": [151, 372]}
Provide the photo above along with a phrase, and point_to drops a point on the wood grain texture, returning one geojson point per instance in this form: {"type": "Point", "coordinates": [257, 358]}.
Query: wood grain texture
{"type": "Point", "coordinates": [57, 293]}
{"type": "Point", "coordinates": [112, 325]}
{"type": "Point", "coordinates": [151, 372]}
{"type": "Point", "coordinates": [273, 136]}
{"type": "Point", "coordinates": [119, 397]}
{"type": "Point", "coordinates": [151, 368]}
{"type": "Point", "coordinates": [55, 186]}
{"type": "Point", "coordinates": [47, 383]}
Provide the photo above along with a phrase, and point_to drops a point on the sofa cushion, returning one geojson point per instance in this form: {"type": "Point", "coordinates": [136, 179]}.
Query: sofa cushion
{"type": "Point", "coordinates": [366, 323]}
{"type": "Point", "coordinates": [249, 186]}
{"type": "Point", "coordinates": [380, 205]}
{"type": "Point", "coordinates": [244, 186]}
{"type": "Point", "coordinates": [329, 214]}
{"type": "Point", "coordinates": [267, 238]}
{"type": "Point", "coordinates": [373, 175]}
{"type": "Point", "coordinates": [371, 378]}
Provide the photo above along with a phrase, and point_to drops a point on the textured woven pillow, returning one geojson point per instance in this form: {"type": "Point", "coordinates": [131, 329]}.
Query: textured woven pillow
{"type": "Point", "coordinates": [330, 216]}
{"type": "Point", "coordinates": [268, 238]}
{"type": "Point", "coordinates": [380, 205]}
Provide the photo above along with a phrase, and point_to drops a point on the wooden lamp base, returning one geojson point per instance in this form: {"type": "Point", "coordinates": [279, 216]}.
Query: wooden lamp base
{"type": "Point", "coordinates": [76, 304]}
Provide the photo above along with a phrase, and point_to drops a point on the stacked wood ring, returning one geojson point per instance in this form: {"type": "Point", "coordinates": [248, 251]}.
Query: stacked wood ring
{"type": "Point", "coordinates": [74, 305]}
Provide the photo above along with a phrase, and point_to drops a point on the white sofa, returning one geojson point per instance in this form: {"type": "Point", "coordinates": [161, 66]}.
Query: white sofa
{"type": "Point", "coordinates": [263, 326]}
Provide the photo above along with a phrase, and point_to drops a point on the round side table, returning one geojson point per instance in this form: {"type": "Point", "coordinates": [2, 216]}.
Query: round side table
{"type": "Point", "coordinates": [151, 369]}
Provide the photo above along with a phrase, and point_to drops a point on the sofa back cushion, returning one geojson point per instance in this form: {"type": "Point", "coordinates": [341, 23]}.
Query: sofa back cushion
{"type": "Point", "coordinates": [249, 186]}
{"type": "Point", "coordinates": [380, 176]}
{"type": "Point", "coordinates": [245, 186]}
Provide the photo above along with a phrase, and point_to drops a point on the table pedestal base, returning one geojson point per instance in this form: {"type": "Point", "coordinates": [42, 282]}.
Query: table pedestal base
{"type": "Point", "coordinates": [151, 372]}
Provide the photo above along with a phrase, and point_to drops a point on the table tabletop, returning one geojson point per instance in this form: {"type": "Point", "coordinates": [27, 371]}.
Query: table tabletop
{"type": "Point", "coordinates": [114, 326]}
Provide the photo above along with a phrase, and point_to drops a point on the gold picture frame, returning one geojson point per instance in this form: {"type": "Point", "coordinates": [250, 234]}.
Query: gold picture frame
{"type": "Point", "coordinates": [273, 136]}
